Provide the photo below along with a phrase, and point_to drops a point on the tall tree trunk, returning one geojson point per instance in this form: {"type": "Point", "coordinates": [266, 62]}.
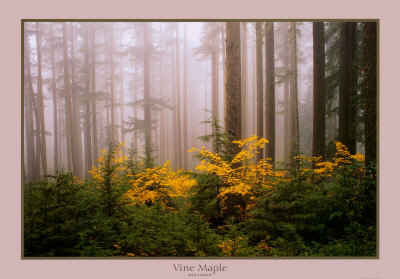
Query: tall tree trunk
{"type": "Point", "coordinates": [113, 134]}
{"type": "Point", "coordinates": [71, 140]}
{"type": "Point", "coordinates": [135, 114]}
{"type": "Point", "coordinates": [185, 104]}
{"type": "Point", "coordinates": [215, 79]}
{"type": "Point", "coordinates": [28, 93]}
{"type": "Point", "coordinates": [55, 99]}
{"type": "Point", "coordinates": [294, 106]}
{"type": "Point", "coordinates": [178, 100]}
{"type": "Point", "coordinates": [87, 130]}
{"type": "Point", "coordinates": [244, 79]}
{"type": "Point", "coordinates": [223, 50]}
{"type": "Point", "coordinates": [146, 87]}
{"type": "Point", "coordinates": [43, 154]}
{"type": "Point", "coordinates": [121, 71]}
{"type": "Point", "coordinates": [75, 109]}
{"type": "Point", "coordinates": [318, 146]}
{"type": "Point", "coordinates": [347, 82]}
{"type": "Point", "coordinates": [233, 84]}
{"type": "Point", "coordinates": [286, 98]}
{"type": "Point", "coordinates": [270, 91]}
{"type": "Point", "coordinates": [94, 106]}
{"type": "Point", "coordinates": [260, 90]}
{"type": "Point", "coordinates": [370, 91]}
{"type": "Point", "coordinates": [353, 75]}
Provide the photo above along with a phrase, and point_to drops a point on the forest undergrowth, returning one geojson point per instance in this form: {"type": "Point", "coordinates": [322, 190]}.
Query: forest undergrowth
{"type": "Point", "coordinates": [228, 206]}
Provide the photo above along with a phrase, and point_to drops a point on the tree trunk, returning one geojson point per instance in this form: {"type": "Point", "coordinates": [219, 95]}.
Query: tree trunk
{"type": "Point", "coordinates": [294, 107]}
{"type": "Point", "coordinates": [318, 146]}
{"type": "Point", "coordinates": [71, 143]}
{"type": "Point", "coordinates": [121, 71]}
{"type": "Point", "coordinates": [43, 154]}
{"type": "Point", "coordinates": [370, 91]}
{"type": "Point", "coordinates": [28, 93]}
{"type": "Point", "coordinates": [260, 90]}
{"type": "Point", "coordinates": [215, 80]}
{"type": "Point", "coordinates": [243, 41]}
{"type": "Point", "coordinates": [185, 105]}
{"type": "Point", "coordinates": [223, 50]}
{"type": "Point", "coordinates": [347, 83]}
{"type": "Point", "coordinates": [353, 76]}
{"type": "Point", "coordinates": [146, 87]}
{"type": "Point", "coordinates": [113, 134]}
{"type": "Point", "coordinates": [286, 98]}
{"type": "Point", "coordinates": [270, 91]}
{"type": "Point", "coordinates": [94, 106]}
{"type": "Point", "coordinates": [233, 84]}
{"type": "Point", "coordinates": [178, 100]}
{"type": "Point", "coordinates": [55, 99]}
{"type": "Point", "coordinates": [87, 130]}
{"type": "Point", "coordinates": [76, 110]}
{"type": "Point", "coordinates": [135, 114]}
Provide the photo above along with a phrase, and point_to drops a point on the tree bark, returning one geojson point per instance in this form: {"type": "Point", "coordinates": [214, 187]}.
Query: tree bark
{"type": "Point", "coordinates": [347, 85]}
{"type": "Point", "coordinates": [260, 90]}
{"type": "Point", "coordinates": [318, 146]}
{"type": "Point", "coordinates": [370, 91]}
{"type": "Point", "coordinates": [243, 42]}
{"type": "Point", "coordinates": [233, 84]}
{"type": "Point", "coordinates": [270, 91]}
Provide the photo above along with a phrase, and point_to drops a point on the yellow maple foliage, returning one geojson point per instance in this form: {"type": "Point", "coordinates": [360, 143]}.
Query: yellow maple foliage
{"type": "Point", "coordinates": [158, 184]}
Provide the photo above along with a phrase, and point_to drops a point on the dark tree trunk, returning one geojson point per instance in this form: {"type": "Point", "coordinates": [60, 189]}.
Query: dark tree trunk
{"type": "Point", "coordinates": [260, 90]}
{"type": "Point", "coordinates": [243, 41]}
{"type": "Point", "coordinates": [270, 91]}
{"type": "Point", "coordinates": [370, 91]}
{"type": "Point", "coordinates": [353, 75]}
{"type": "Point", "coordinates": [347, 85]}
{"type": "Point", "coordinates": [318, 146]}
{"type": "Point", "coordinates": [233, 84]}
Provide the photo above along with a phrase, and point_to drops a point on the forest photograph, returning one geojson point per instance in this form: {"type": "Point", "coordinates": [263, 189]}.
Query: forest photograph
{"type": "Point", "coordinates": [229, 138]}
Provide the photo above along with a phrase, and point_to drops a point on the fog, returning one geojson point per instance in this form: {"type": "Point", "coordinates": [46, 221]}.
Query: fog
{"type": "Point", "coordinates": [114, 65]}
